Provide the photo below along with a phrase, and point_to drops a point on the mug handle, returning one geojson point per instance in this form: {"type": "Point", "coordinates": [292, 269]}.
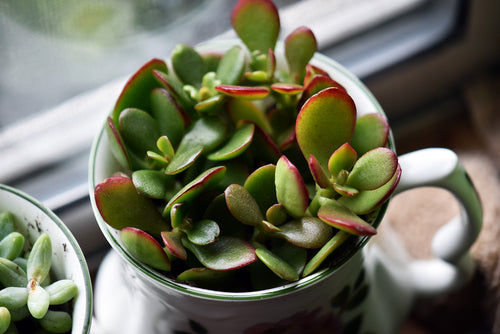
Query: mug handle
{"type": "Point", "coordinates": [452, 266]}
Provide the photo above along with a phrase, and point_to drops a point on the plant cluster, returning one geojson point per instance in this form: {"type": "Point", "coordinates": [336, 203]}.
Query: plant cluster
{"type": "Point", "coordinates": [29, 300]}
{"type": "Point", "coordinates": [236, 162]}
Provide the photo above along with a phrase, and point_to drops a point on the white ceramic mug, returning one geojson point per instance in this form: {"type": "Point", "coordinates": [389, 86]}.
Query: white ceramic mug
{"type": "Point", "coordinates": [68, 261]}
{"type": "Point", "coordinates": [370, 290]}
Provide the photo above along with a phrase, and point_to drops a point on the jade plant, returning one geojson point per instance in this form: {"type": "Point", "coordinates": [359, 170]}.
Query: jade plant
{"type": "Point", "coordinates": [234, 164]}
{"type": "Point", "coordinates": [29, 299]}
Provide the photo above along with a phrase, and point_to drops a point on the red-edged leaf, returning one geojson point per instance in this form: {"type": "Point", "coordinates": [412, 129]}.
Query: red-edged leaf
{"type": "Point", "coordinates": [145, 248]}
{"type": "Point", "coordinates": [291, 190]}
{"type": "Point", "coordinates": [244, 92]}
{"type": "Point", "coordinates": [339, 216]}
{"type": "Point", "coordinates": [373, 169]}
{"type": "Point", "coordinates": [300, 46]}
{"type": "Point", "coordinates": [318, 173]}
{"type": "Point", "coordinates": [287, 88]}
{"type": "Point", "coordinates": [372, 130]}
{"type": "Point", "coordinates": [342, 159]}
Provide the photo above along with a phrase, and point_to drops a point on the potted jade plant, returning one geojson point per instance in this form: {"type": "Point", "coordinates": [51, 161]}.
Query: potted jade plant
{"type": "Point", "coordinates": [239, 180]}
{"type": "Point", "coordinates": [45, 284]}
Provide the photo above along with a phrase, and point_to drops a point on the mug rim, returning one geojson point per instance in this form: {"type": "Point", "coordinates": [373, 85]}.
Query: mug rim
{"type": "Point", "coordinates": [163, 280]}
{"type": "Point", "coordinates": [72, 243]}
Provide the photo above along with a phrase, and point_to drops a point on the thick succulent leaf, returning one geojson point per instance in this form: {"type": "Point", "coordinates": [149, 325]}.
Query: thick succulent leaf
{"type": "Point", "coordinates": [205, 181]}
{"type": "Point", "coordinates": [368, 200]}
{"type": "Point", "coordinates": [11, 274]}
{"type": "Point", "coordinates": [121, 206]}
{"type": "Point", "coordinates": [325, 122]}
{"type": "Point", "coordinates": [40, 259]}
{"type": "Point", "coordinates": [257, 23]}
{"type": "Point", "coordinates": [13, 297]}
{"type": "Point", "coordinates": [345, 190]}
{"type": "Point", "coordinates": [62, 291]}
{"type": "Point", "coordinates": [236, 145]}
{"type": "Point", "coordinates": [260, 184]}
{"type": "Point", "coordinates": [139, 130]}
{"type": "Point", "coordinates": [5, 319]}
{"type": "Point", "coordinates": [188, 65]}
{"type": "Point", "coordinates": [311, 72]}
{"type": "Point", "coordinates": [263, 146]}
{"type": "Point", "coordinates": [183, 160]}
{"type": "Point", "coordinates": [56, 321]}
{"type": "Point", "coordinates": [231, 66]}
{"type": "Point", "coordinates": [145, 248]}
{"type": "Point", "coordinates": [240, 109]}
{"type": "Point", "coordinates": [172, 84]}
{"type": "Point", "coordinates": [7, 223]}
{"type": "Point", "coordinates": [372, 130]}
{"type": "Point", "coordinates": [211, 106]}
{"type": "Point", "coordinates": [116, 144]}
{"type": "Point", "coordinates": [226, 253]}
{"type": "Point", "coordinates": [338, 239]}
{"type": "Point", "coordinates": [243, 92]}
{"type": "Point", "coordinates": [165, 146]}
{"type": "Point", "coordinates": [243, 206]}
{"type": "Point", "coordinates": [178, 215]}
{"type": "Point", "coordinates": [291, 190]}
{"type": "Point", "coordinates": [217, 210]}
{"type": "Point", "coordinates": [11, 246]}
{"type": "Point", "coordinates": [317, 84]}
{"type": "Point", "coordinates": [306, 232]}
{"type": "Point", "coordinates": [373, 169]}
{"type": "Point", "coordinates": [173, 243]}
{"type": "Point", "coordinates": [38, 300]}
{"type": "Point", "coordinates": [207, 278]}
{"type": "Point", "coordinates": [211, 60]}
{"type": "Point", "coordinates": [279, 266]}
{"type": "Point", "coordinates": [203, 232]}
{"type": "Point", "coordinates": [139, 85]}
{"type": "Point", "coordinates": [276, 214]}
{"type": "Point", "coordinates": [339, 216]}
{"type": "Point", "coordinates": [287, 88]}
{"type": "Point", "coordinates": [319, 174]}
{"type": "Point", "coordinates": [152, 183]}
{"type": "Point", "coordinates": [343, 158]}
{"type": "Point", "coordinates": [168, 115]}
{"type": "Point", "coordinates": [300, 46]}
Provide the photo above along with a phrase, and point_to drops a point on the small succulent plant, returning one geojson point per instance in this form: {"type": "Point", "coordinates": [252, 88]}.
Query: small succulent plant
{"type": "Point", "coordinates": [28, 298]}
{"type": "Point", "coordinates": [235, 164]}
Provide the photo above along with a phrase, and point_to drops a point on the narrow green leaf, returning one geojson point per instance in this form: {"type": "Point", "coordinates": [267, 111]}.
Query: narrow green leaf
{"type": "Point", "coordinates": [335, 242]}
{"type": "Point", "coordinates": [260, 184]}
{"type": "Point", "coordinates": [152, 183]}
{"type": "Point", "coordinates": [188, 65]}
{"type": "Point", "coordinates": [13, 297]}
{"type": "Point", "coordinates": [168, 115]}
{"type": "Point", "coordinates": [4, 319]}
{"type": "Point", "coordinates": [61, 291]}
{"type": "Point", "coordinates": [56, 321]}
{"type": "Point", "coordinates": [11, 274]}
{"type": "Point", "coordinates": [236, 145]}
{"type": "Point", "coordinates": [231, 66]}
{"type": "Point", "coordinates": [300, 46]}
{"type": "Point", "coordinates": [240, 109]}
{"type": "Point", "coordinates": [38, 300]}
{"type": "Point", "coordinates": [139, 130]}
{"type": "Point", "coordinates": [277, 264]}
{"type": "Point", "coordinates": [7, 224]}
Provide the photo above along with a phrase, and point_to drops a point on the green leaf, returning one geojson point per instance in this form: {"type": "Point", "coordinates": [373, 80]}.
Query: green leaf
{"type": "Point", "coordinates": [240, 109]}
{"type": "Point", "coordinates": [291, 190]}
{"type": "Point", "coordinates": [56, 321]}
{"type": "Point", "coordinates": [277, 265]}
{"type": "Point", "coordinates": [40, 259]}
{"type": "Point", "coordinates": [300, 46]}
{"type": "Point", "coordinates": [7, 224]}
{"type": "Point", "coordinates": [62, 291]}
{"type": "Point", "coordinates": [203, 232]}
{"type": "Point", "coordinates": [325, 122]}
{"type": "Point", "coordinates": [188, 65]}
{"type": "Point", "coordinates": [172, 84]}
{"type": "Point", "coordinates": [13, 297]}
{"type": "Point", "coordinates": [342, 159]}
{"type": "Point", "coordinates": [207, 278]}
{"type": "Point", "coordinates": [172, 241]}
{"type": "Point", "coordinates": [152, 183]}
{"type": "Point", "coordinates": [139, 130]}
{"type": "Point", "coordinates": [205, 181]}
{"type": "Point", "coordinates": [339, 216]}
{"type": "Point", "coordinates": [335, 242]}
{"type": "Point", "coordinates": [319, 174]}
{"type": "Point", "coordinates": [206, 132]}
{"type": "Point", "coordinates": [368, 200]}
{"type": "Point", "coordinates": [260, 184]}
{"type": "Point", "coordinates": [226, 253]}
{"type": "Point", "coordinates": [121, 206]}
{"type": "Point", "coordinates": [4, 319]}
{"type": "Point", "coordinates": [184, 159]}
{"type": "Point", "coordinates": [372, 130]}
{"type": "Point", "coordinates": [306, 232]}
{"type": "Point", "coordinates": [316, 84]}
{"type": "Point", "coordinates": [11, 274]}
{"type": "Point", "coordinates": [243, 92]}
{"type": "Point", "coordinates": [257, 23]}
{"type": "Point", "coordinates": [137, 87]}
{"type": "Point", "coordinates": [145, 248]}
{"type": "Point", "coordinates": [168, 115]}
{"type": "Point", "coordinates": [38, 300]}
{"type": "Point", "coordinates": [231, 66]}
{"type": "Point", "coordinates": [243, 206]}
{"type": "Point", "coordinates": [236, 145]}
{"type": "Point", "coordinates": [276, 214]}
{"type": "Point", "coordinates": [373, 169]}
{"type": "Point", "coordinates": [12, 245]}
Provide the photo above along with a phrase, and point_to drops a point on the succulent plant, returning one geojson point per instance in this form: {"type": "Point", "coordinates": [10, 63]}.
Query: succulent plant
{"type": "Point", "coordinates": [234, 164]}
{"type": "Point", "coordinates": [28, 298]}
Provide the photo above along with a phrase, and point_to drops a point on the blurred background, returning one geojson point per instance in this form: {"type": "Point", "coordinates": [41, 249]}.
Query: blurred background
{"type": "Point", "coordinates": [432, 64]}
